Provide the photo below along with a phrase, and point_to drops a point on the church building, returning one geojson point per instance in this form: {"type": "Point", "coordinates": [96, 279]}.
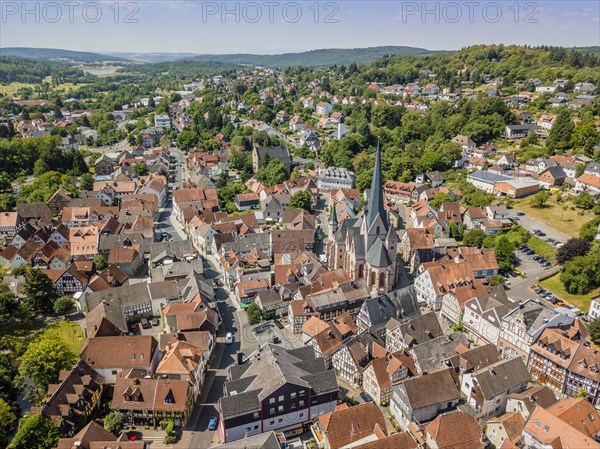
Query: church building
{"type": "Point", "coordinates": [366, 247]}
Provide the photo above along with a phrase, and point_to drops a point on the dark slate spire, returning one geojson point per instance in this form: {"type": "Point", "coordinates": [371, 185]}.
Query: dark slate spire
{"type": "Point", "coordinates": [375, 206]}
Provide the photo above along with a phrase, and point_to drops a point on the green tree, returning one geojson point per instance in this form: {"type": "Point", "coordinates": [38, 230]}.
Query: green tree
{"type": "Point", "coordinates": [440, 199]}
{"type": "Point", "coordinates": [561, 132]}
{"type": "Point", "coordinates": [42, 362]}
{"type": "Point", "coordinates": [496, 280]}
{"type": "Point", "coordinates": [301, 200]}
{"type": "Point", "coordinates": [141, 169]}
{"type": "Point", "coordinates": [588, 230]}
{"type": "Point", "coordinates": [86, 182]}
{"type": "Point", "coordinates": [187, 139]}
{"type": "Point", "coordinates": [584, 201]}
{"type": "Point", "coordinates": [474, 237]}
{"type": "Point", "coordinates": [40, 291]}
{"type": "Point", "coordinates": [100, 262]}
{"type": "Point", "coordinates": [36, 432]}
{"type": "Point", "coordinates": [504, 250]}
{"type": "Point", "coordinates": [585, 136]}
{"type": "Point", "coordinates": [582, 274]}
{"type": "Point", "coordinates": [7, 421]}
{"type": "Point", "coordinates": [5, 183]}
{"type": "Point", "coordinates": [273, 173]}
{"type": "Point", "coordinates": [63, 305]}
{"type": "Point", "coordinates": [114, 422]}
{"type": "Point", "coordinates": [594, 329]}
{"type": "Point", "coordinates": [540, 199]}
{"type": "Point", "coordinates": [9, 304]}
{"type": "Point", "coordinates": [255, 314]}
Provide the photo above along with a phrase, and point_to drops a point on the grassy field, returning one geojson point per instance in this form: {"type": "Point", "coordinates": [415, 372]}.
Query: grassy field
{"type": "Point", "coordinates": [554, 285]}
{"type": "Point", "coordinates": [70, 332]}
{"type": "Point", "coordinates": [567, 222]}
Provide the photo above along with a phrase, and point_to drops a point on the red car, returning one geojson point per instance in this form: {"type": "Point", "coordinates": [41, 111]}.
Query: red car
{"type": "Point", "coordinates": [133, 327]}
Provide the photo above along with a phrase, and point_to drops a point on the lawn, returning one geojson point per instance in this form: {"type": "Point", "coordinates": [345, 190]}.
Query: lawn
{"type": "Point", "coordinates": [70, 332]}
{"type": "Point", "coordinates": [554, 285]}
{"type": "Point", "coordinates": [567, 222]}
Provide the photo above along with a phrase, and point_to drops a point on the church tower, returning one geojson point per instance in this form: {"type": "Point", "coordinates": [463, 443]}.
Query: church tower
{"type": "Point", "coordinates": [380, 238]}
{"type": "Point", "coordinates": [375, 220]}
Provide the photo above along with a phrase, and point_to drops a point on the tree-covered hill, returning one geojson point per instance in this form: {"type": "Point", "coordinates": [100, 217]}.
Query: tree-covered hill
{"type": "Point", "coordinates": [512, 63]}
{"type": "Point", "coordinates": [316, 58]}
{"type": "Point", "coordinates": [25, 70]}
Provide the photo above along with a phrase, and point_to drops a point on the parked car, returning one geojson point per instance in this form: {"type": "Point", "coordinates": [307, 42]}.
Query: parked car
{"type": "Point", "coordinates": [213, 423]}
{"type": "Point", "coordinates": [229, 338]}
{"type": "Point", "coordinates": [539, 291]}
{"type": "Point", "coordinates": [520, 214]}
{"type": "Point", "coordinates": [545, 264]}
{"type": "Point", "coordinates": [145, 323]}
{"type": "Point", "coordinates": [133, 327]}
{"type": "Point", "coordinates": [154, 321]}
{"type": "Point", "coordinates": [366, 397]}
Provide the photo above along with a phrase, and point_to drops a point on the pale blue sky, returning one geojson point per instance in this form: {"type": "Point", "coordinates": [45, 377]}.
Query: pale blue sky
{"type": "Point", "coordinates": [199, 27]}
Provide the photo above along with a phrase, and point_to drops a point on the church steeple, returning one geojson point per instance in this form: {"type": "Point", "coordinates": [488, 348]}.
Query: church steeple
{"type": "Point", "coordinates": [375, 206]}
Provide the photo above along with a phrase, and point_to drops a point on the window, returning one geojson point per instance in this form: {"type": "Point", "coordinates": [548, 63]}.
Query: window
{"type": "Point", "coordinates": [280, 420]}
{"type": "Point", "coordinates": [293, 395]}
{"type": "Point", "coordinates": [256, 427]}
{"type": "Point", "coordinates": [280, 408]}
{"type": "Point", "coordinates": [301, 403]}
{"type": "Point", "coordinates": [113, 372]}
{"type": "Point", "coordinates": [271, 400]}
{"type": "Point", "coordinates": [272, 410]}
{"type": "Point", "coordinates": [132, 356]}
{"type": "Point", "coordinates": [248, 429]}
{"type": "Point", "coordinates": [301, 414]}
{"type": "Point", "coordinates": [256, 414]}
{"type": "Point", "coordinates": [141, 356]}
{"type": "Point", "coordinates": [591, 417]}
{"type": "Point", "coordinates": [302, 393]}
{"type": "Point", "coordinates": [272, 422]}
{"type": "Point", "coordinates": [281, 398]}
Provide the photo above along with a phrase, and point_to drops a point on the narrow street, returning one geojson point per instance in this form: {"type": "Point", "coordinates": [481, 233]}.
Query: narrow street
{"type": "Point", "coordinates": [196, 434]}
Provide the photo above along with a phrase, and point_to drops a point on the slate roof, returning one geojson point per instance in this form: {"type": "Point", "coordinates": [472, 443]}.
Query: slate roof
{"type": "Point", "coordinates": [378, 256]}
{"type": "Point", "coordinates": [272, 367]}
{"type": "Point", "coordinates": [501, 377]}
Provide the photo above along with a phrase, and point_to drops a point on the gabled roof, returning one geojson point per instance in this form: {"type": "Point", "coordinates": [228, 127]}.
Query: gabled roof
{"type": "Point", "coordinates": [502, 376]}
{"type": "Point", "coordinates": [456, 431]}
{"type": "Point", "coordinates": [344, 426]}
{"type": "Point", "coordinates": [438, 387]}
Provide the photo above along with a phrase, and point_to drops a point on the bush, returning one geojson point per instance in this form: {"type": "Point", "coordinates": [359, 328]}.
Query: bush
{"type": "Point", "coordinates": [169, 428]}
{"type": "Point", "coordinates": [170, 439]}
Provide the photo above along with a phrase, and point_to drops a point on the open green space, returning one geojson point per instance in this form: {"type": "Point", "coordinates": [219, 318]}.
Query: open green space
{"type": "Point", "coordinates": [554, 285]}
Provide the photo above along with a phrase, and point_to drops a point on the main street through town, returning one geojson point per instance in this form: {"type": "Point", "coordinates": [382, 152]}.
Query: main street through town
{"type": "Point", "coordinates": [196, 433]}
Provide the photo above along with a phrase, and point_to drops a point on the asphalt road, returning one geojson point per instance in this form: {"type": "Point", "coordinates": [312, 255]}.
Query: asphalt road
{"type": "Point", "coordinates": [530, 224]}
{"type": "Point", "coordinates": [196, 434]}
